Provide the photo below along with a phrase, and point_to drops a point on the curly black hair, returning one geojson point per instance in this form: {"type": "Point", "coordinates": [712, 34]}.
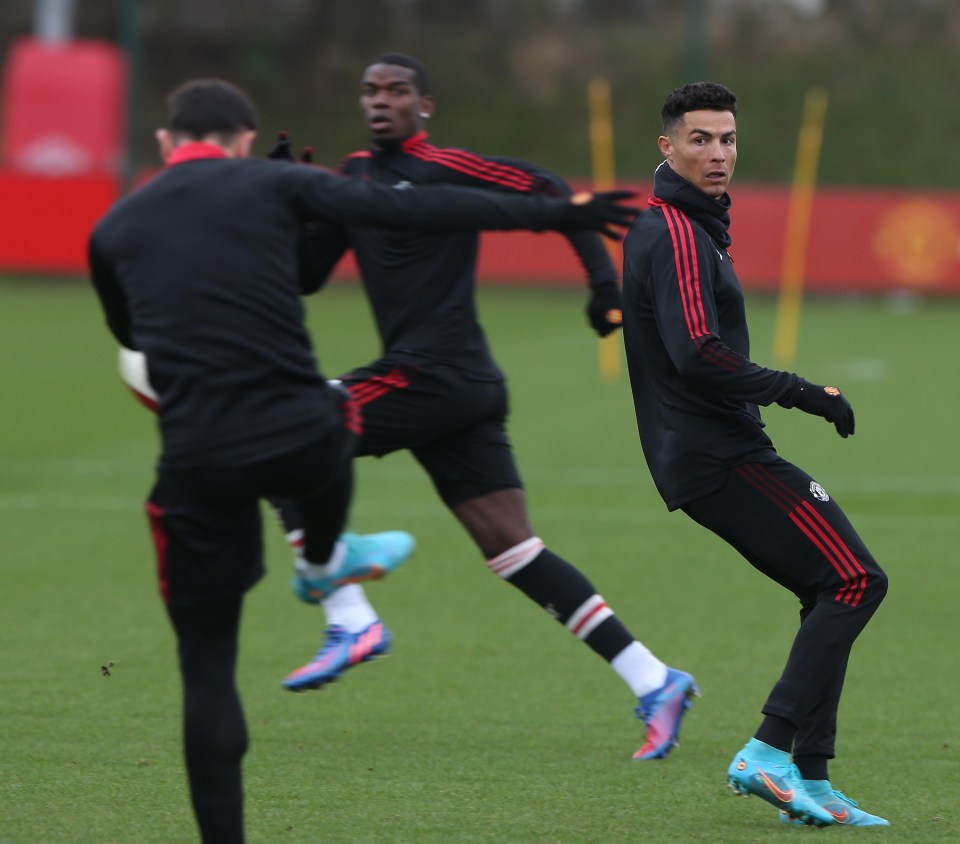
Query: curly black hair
{"type": "Point", "coordinates": [697, 96]}
{"type": "Point", "coordinates": [409, 62]}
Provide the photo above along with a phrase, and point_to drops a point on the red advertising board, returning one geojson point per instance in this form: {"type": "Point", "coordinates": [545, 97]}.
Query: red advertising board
{"type": "Point", "coordinates": [860, 240]}
{"type": "Point", "coordinates": [61, 141]}
{"type": "Point", "coordinates": [44, 223]}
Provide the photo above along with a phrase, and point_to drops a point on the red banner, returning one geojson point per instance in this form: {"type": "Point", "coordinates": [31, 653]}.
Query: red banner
{"type": "Point", "coordinates": [44, 223]}
{"type": "Point", "coordinates": [859, 241]}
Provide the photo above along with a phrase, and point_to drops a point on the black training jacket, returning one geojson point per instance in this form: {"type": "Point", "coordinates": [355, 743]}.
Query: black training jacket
{"type": "Point", "coordinates": [695, 389]}
{"type": "Point", "coordinates": [421, 285]}
{"type": "Point", "coordinates": [199, 270]}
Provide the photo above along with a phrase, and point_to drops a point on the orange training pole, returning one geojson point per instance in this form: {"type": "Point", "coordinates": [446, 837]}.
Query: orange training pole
{"type": "Point", "coordinates": [601, 149]}
{"type": "Point", "coordinates": [798, 226]}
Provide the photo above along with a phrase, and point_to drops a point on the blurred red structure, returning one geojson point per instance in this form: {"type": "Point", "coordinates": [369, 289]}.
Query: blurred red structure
{"type": "Point", "coordinates": [62, 132]}
{"type": "Point", "coordinates": [63, 108]}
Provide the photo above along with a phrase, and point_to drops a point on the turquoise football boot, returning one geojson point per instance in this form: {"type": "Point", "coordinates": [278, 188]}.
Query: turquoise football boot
{"type": "Point", "coordinates": [846, 812]}
{"type": "Point", "coordinates": [770, 774]}
{"type": "Point", "coordinates": [368, 557]}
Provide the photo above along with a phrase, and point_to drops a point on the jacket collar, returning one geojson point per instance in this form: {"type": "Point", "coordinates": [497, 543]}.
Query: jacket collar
{"type": "Point", "coordinates": [712, 214]}
{"type": "Point", "coordinates": [194, 151]}
{"type": "Point", "coordinates": [407, 145]}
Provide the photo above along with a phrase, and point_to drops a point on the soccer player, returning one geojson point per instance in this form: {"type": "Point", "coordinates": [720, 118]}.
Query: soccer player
{"type": "Point", "coordinates": [437, 392]}
{"type": "Point", "coordinates": [198, 270]}
{"type": "Point", "coordinates": [696, 393]}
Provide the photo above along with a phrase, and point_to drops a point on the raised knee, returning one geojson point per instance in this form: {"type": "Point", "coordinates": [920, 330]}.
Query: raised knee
{"type": "Point", "coordinates": [878, 584]}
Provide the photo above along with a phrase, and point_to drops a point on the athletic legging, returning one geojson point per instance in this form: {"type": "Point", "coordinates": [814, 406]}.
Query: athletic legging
{"type": "Point", "coordinates": [787, 526]}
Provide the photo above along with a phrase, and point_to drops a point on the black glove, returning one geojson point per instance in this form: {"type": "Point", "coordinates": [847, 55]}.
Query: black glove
{"type": "Point", "coordinates": [605, 308]}
{"type": "Point", "coordinates": [280, 151]}
{"type": "Point", "coordinates": [827, 402]}
{"type": "Point", "coordinates": [598, 211]}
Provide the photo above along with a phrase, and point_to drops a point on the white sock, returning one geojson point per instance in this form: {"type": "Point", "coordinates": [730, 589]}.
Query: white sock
{"type": "Point", "coordinates": [315, 571]}
{"type": "Point", "coordinates": [640, 669]}
{"type": "Point", "coordinates": [349, 608]}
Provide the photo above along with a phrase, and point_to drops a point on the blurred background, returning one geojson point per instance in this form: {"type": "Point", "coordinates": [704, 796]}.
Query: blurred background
{"type": "Point", "coordinates": [84, 82]}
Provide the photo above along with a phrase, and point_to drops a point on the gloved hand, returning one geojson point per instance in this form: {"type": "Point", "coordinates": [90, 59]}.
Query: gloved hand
{"type": "Point", "coordinates": [605, 308]}
{"type": "Point", "coordinates": [827, 402]}
{"type": "Point", "coordinates": [598, 211]}
{"type": "Point", "coordinates": [281, 151]}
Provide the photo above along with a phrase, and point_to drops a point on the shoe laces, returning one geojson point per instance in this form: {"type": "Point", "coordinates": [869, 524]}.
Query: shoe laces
{"type": "Point", "coordinates": [641, 712]}
{"type": "Point", "coordinates": [844, 798]}
{"type": "Point", "coordinates": [335, 635]}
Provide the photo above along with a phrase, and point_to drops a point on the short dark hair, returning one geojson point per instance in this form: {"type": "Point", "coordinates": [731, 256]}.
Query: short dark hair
{"type": "Point", "coordinates": [697, 96]}
{"type": "Point", "coordinates": [210, 106]}
{"type": "Point", "coordinates": [403, 60]}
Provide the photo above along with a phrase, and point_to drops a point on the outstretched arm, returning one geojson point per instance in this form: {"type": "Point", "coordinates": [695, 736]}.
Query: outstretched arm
{"type": "Point", "coordinates": [334, 198]}
{"type": "Point", "coordinates": [604, 308]}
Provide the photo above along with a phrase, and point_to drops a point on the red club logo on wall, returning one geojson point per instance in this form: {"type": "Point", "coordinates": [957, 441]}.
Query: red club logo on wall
{"type": "Point", "coordinates": [919, 240]}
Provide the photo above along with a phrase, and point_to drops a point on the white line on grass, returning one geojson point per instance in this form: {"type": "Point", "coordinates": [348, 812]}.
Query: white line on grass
{"type": "Point", "coordinates": [624, 514]}
{"type": "Point", "coordinates": [572, 476]}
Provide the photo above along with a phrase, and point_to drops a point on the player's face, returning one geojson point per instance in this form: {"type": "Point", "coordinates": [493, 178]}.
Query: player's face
{"type": "Point", "coordinates": [391, 103]}
{"type": "Point", "coordinates": [703, 150]}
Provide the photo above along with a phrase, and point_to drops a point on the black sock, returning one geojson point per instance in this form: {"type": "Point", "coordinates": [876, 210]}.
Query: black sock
{"type": "Point", "coordinates": [812, 767]}
{"type": "Point", "coordinates": [569, 597]}
{"type": "Point", "coordinates": [777, 732]}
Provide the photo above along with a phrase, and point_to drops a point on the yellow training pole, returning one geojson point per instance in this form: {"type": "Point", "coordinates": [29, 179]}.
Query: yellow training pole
{"type": "Point", "coordinates": [798, 226]}
{"type": "Point", "coordinates": [601, 150]}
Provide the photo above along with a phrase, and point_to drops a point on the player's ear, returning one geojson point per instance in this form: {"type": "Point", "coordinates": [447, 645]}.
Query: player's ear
{"type": "Point", "coordinates": [426, 107]}
{"type": "Point", "coordinates": [243, 143]}
{"type": "Point", "coordinates": [666, 146]}
{"type": "Point", "coordinates": [164, 142]}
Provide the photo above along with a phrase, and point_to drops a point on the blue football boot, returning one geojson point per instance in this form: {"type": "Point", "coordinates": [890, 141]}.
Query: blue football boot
{"type": "Point", "coordinates": [662, 710]}
{"type": "Point", "coordinates": [341, 650]}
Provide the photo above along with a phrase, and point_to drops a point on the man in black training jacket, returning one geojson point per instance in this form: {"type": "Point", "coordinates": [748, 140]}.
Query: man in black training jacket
{"type": "Point", "coordinates": [696, 393]}
{"type": "Point", "coordinates": [437, 392]}
{"type": "Point", "coordinates": [198, 270]}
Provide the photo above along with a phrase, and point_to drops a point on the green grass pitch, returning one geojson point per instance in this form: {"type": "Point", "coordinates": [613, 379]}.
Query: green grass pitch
{"type": "Point", "coordinates": [488, 723]}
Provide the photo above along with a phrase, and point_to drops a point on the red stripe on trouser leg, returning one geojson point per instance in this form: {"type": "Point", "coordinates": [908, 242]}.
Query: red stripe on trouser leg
{"type": "Point", "coordinates": [366, 391]}
{"type": "Point", "coordinates": [352, 419]}
{"type": "Point", "coordinates": [777, 491]}
{"type": "Point", "coordinates": [815, 527]}
{"type": "Point", "coordinates": [855, 573]}
{"type": "Point", "coordinates": [160, 543]}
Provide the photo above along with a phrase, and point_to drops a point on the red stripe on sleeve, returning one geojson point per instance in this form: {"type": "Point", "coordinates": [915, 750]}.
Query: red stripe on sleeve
{"type": "Point", "coordinates": [688, 271]}
{"type": "Point", "coordinates": [475, 165]}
